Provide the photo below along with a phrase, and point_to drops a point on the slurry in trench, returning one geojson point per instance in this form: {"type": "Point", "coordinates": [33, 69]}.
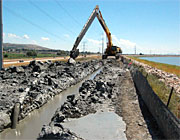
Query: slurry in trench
{"type": "Point", "coordinates": [100, 126]}
{"type": "Point", "coordinates": [30, 127]}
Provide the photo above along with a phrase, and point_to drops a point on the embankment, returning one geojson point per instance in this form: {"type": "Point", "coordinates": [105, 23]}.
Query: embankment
{"type": "Point", "coordinates": [171, 80]}
{"type": "Point", "coordinates": [168, 123]}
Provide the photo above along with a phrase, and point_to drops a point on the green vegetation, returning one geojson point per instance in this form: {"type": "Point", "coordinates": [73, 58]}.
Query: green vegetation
{"type": "Point", "coordinates": [31, 53]}
{"type": "Point", "coordinates": [165, 67]}
{"type": "Point", "coordinates": [163, 92]}
{"type": "Point", "coordinates": [28, 55]}
{"type": "Point", "coordinates": [159, 87]}
{"type": "Point", "coordinates": [14, 55]}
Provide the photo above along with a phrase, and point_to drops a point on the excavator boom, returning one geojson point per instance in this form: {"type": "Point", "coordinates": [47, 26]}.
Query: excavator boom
{"type": "Point", "coordinates": [75, 52]}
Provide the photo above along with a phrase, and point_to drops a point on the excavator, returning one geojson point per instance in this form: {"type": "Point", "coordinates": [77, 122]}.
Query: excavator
{"type": "Point", "coordinates": [110, 50]}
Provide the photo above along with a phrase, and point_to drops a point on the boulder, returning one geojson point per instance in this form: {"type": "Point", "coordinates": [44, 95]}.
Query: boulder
{"type": "Point", "coordinates": [4, 120]}
{"type": "Point", "coordinates": [58, 117]}
{"type": "Point", "coordinates": [71, 61]}
{"type": "Point", "coordinates": [70, 98]}
{"type": "Point", "coordinates": [16, 69]}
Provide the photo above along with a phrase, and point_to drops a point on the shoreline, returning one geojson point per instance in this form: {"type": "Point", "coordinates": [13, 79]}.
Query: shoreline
{"type": "Point", "coordinates": [147, 55]}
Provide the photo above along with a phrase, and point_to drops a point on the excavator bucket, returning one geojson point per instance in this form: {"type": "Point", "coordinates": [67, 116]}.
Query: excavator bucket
{"type": "Point", "coordinates": [74, 53]}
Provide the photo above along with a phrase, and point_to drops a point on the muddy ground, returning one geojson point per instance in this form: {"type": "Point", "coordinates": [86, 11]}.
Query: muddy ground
{"type": "Point", "coordinates": [112, 90]}
{"type": "Point", "coordinates": [35, 84]}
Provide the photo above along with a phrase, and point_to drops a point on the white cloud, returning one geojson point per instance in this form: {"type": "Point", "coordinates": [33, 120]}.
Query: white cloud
{"type": "Point", "coordinates": [123, 42]}
{"type": "Point", "coordinates": [66, 35]}
{"type": "Point", "coordinates": [26, 36]}
{"type": "Point", "coordinates": [96, 42]}
{"type": "Point", "coordinates": [45, 38]}
{"type": "Point", "coordinates": [10, 35]}
{"type": "Point", "coordinates": [127, 43]}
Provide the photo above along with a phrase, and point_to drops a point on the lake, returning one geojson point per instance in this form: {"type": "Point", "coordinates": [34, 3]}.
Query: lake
{"type": "Point", "coordinates": [166, 60]}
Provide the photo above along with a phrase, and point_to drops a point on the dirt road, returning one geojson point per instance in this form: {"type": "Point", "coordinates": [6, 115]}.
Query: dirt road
{"type": "Point", "coordinates": [18, 62]}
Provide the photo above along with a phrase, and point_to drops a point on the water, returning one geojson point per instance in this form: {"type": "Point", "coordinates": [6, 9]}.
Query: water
{"type": "Point", "coordinates": [165, 60]}
{"type": "Point", "coordinates": [30, 127]}
{"type": "Point", "coordinates": [98, 126]}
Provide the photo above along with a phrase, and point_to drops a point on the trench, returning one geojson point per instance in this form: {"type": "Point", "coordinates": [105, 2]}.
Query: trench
{"type": "Point", "coordinates": [30, 127]}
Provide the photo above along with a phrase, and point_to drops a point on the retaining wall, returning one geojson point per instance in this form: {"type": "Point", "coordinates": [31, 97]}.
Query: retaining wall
{"type": "Point", "coordinates": [167, 122]}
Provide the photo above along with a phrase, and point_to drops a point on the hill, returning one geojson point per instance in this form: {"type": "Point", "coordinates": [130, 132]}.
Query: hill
{"type": "Point", "coordinates": [8, 46]}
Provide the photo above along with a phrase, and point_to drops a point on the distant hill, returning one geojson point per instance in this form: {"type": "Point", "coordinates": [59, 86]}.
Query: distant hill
{"type": "Point", "coordinates": [7, 46]}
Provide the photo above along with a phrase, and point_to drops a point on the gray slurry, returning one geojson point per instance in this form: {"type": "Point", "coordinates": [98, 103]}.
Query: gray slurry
{"type": "Point", "coordinates": [98, 126]}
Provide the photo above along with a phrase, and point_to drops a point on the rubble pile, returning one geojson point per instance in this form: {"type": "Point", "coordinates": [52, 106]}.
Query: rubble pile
{"type": "Point", "coordinates": [35, 84]}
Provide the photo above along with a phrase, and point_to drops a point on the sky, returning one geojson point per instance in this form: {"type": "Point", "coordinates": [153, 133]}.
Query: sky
{"type": "Point", "coordinates": [150, 26]}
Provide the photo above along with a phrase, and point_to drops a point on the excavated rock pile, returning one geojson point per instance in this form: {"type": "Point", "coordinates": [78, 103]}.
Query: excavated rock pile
{"type": "Point", "coordinates": [35, 84]}
{"type": "Point", "coordinates": [94, 95]}
{"type": "Point", "coordinates": [111, 90]}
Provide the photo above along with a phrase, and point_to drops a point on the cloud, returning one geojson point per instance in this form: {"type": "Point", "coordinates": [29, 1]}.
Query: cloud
{"type": "Point", "coordinates": [4, 34]}
{"type": "Point", "coordinates": [10, 35]}
{"type": "Point", "coordinates": [96, 42]}
{"type": "Point", "coordinates": [66, 35]}
{"type": "Point", "coordinates": [45, 38]}
{"type": "Point", "coordinates": [26, 36]}
{"type": "Point", "coordinates": [123, 42]}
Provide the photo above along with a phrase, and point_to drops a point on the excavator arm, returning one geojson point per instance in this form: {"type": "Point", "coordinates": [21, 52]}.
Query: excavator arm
{"type": "Point", "coordinates": [75, 52]}
{"type": "Point", "coordinates": [104, 26]}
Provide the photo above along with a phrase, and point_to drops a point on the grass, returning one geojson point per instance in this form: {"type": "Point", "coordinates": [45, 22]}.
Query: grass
{"type": "Point", "coordinates": [163, 92]}
{"type": "Point", "coordinates": [159, 87]}
{"type": "Point", "coordinates": [22, 55]}
{"type": "Point", "coordinates": [165, 67]}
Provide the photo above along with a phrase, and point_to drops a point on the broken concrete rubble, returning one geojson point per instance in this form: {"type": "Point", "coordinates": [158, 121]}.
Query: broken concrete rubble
{"type": "Point", "coordinates": [104, 93]}
{"type": "Point", "coordinates": [35, 84]}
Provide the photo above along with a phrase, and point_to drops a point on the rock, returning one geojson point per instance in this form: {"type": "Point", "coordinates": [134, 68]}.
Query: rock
{"type": "Point", "coordinates": [20, 70]}
{"type": "Point", "coordinates": [4, 120]}
{"type": "Point", "coordinates": [58, 117]}
{"type": "Point", "coordinates": [55, 132]}
{"type": "Point", "coordinates": [15, 81]}
{"type": "Point", "coordinates": [71, 61]}
{"type": "Point", "coordinates": [70, 98]}
{"type": "Point", "coordinates": [50, 81]}
{"type": "Point", "coordinates": [40, 62]}
{"type": "Point", "coordinates": [21, 89]}
{"type": "Point", "coordinates": [44, 80]}
{"type": "Point", "coordinates": [33, 94]}
{"type": "Point", "coordinates": [16, 69]}
{"type": "Point", "coordinates": [100, 86]}
{"type": "Point", "coordinates": [94, 99]}
{"type": "Point", "coordinates": [36, 68]}
{"type": "Point", "coordinates": [35, 74]}
{"type": "Point", "coordinates": [111, 84]}
{"type": "Point", "coordinates": [40, 99]}
{"type": "Point", "coordinates": [32, 63]}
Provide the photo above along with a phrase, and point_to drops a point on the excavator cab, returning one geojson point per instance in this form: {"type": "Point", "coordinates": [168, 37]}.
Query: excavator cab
{"type": "Point", "coordinates": [112, 51]}
{"type": "Point", "coordinates": [114, 48]}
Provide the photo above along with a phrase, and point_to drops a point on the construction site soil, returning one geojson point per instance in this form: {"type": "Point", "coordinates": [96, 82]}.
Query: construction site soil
{"type": "Point", "coordinates": [111, 93]}
{"type": "Point", "coordinates": [33, 85]}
